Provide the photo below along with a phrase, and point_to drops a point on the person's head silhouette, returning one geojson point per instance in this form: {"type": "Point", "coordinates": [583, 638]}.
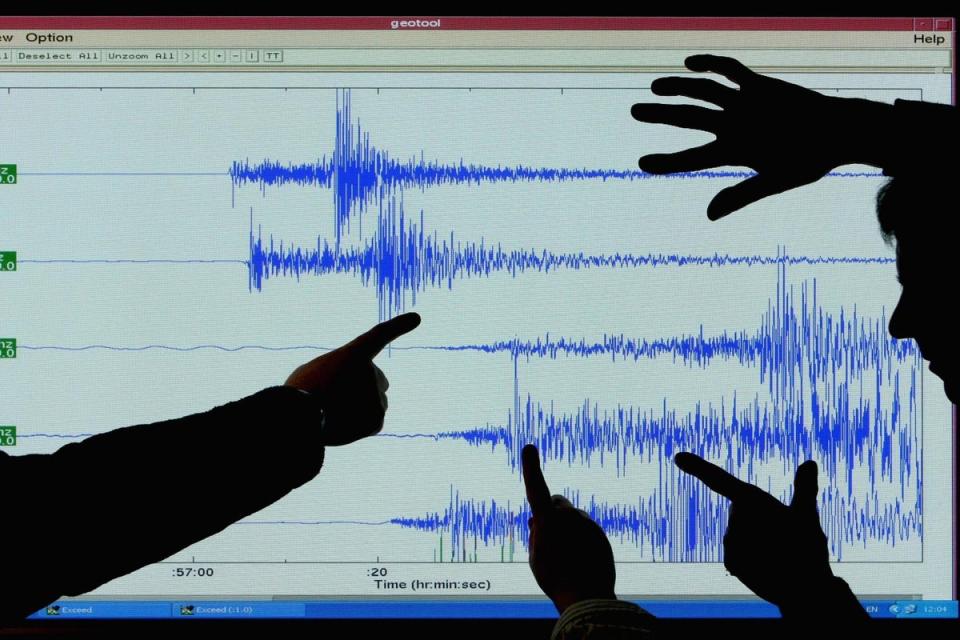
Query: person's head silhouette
{"type": "Point", "coordinates": [911, 211]}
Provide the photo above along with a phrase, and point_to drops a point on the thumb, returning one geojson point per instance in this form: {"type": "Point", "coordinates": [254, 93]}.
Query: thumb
{"type": "Point", "coordinates": [805, 489]}
{"type": "Point", "coordinates": [749, 191]}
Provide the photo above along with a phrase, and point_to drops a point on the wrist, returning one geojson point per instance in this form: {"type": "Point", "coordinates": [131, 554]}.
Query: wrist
{"type": "Point", "coordinates": [831, 595]}
{"type": "Point", "coordinates": [862, 131]}
{"type": "Point", "coordinates": [313, 404]}
{"type": "Point", "coordinates": [313, 393]}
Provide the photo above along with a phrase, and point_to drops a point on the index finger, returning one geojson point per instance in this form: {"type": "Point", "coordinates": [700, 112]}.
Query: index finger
{"type": "Point", "coordinates": [711, 475]}
{"type": "Point", "coordinates": [373, 341]}
{"type": "Point", "coordinates": [538, 495]}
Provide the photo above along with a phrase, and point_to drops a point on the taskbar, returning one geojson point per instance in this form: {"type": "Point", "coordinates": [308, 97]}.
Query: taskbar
{"type": "Point", "coordinates": [440, 609]}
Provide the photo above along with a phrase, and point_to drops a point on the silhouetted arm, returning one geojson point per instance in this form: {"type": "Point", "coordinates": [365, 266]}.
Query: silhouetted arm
{"type": "Point", "coordinates": [894, 137]}
{"type": "Point", "coordinates": [115, 502]}
{"type": "Point", "coordinates": [101, 508]}
{"type": "Point", "coordinates": [831, 600]}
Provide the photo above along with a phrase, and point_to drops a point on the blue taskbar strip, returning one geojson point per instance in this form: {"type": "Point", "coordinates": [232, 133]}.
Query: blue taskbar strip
{"type": "Point", "coordinates": [238, 609]}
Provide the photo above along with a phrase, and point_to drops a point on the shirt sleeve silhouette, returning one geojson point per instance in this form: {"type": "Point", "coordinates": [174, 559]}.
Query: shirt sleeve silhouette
{"type": "Point", "coordinates": [100, 508]}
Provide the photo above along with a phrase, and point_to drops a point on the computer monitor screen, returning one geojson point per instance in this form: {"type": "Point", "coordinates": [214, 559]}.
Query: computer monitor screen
{"type": "Point", "coordinates": [191, 208]}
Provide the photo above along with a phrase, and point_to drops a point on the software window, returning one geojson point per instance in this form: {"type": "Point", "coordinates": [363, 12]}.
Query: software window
{"type": "Point", "coordinates": [191, 208]}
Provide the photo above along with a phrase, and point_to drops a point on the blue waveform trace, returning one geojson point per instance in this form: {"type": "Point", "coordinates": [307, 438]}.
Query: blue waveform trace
{"type": "Point", "coordinates": [687, 527]}
{"type": "Point", "coordinates": [401, 260]}
{"type": "Point", "coordinates": [360, 174]}
{"type": "Point", "coordinates": [841, 392]}
{"type": "Point", "coordinates": [167, 347]}
{"type": "Point", "coordinates": [129, 261]}
{"type": "Point", "coordinates": [61, 436]}
{"type": "Point", "coordinates": [807, 357]}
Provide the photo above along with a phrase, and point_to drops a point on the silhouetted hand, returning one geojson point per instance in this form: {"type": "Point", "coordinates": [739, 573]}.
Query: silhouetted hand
{"type": "Point", "coordinates": [353, 389]}
{"type": "Point", "coordinates": [570, 556]}
{"type": "Point", "coordinates": [778, 551]}
{"type": "Point", "coordinates": [790, 136]}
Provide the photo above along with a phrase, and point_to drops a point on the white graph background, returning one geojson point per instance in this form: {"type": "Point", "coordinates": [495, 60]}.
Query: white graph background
{"type": "Point", "coordinates": [132, 303]}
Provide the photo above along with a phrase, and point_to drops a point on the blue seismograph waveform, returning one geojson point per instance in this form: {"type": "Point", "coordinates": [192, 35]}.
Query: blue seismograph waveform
{"type": "Point", "coordinates": [838, 390]}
